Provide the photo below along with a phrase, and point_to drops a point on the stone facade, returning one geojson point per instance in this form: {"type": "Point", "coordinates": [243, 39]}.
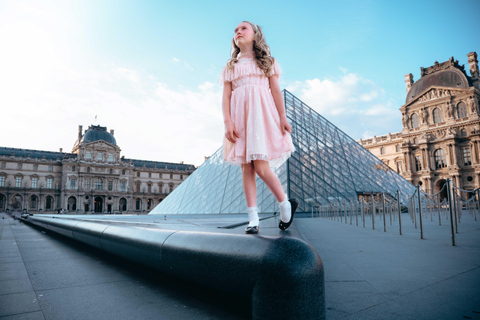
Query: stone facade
{"type": "Point", "coordinates": [93, 178]}
{"type": "Point", "coordinates": [441, 128]}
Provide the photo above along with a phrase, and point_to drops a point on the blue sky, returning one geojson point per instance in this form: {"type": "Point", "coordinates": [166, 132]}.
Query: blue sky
{"type": "Point", "coordinates": [149, 69]}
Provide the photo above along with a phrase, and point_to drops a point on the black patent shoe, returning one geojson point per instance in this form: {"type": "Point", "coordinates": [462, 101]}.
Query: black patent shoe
{"type": "Point", "coordinates": [284, 225]}
{"type": "Point", "coordinates": [251, 230]}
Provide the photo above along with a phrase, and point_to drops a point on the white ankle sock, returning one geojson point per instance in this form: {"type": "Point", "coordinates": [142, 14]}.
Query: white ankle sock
{"type": "Point", "coordinates": [285, 210]}
{"type": "Point", "coordinates": [253, 216]}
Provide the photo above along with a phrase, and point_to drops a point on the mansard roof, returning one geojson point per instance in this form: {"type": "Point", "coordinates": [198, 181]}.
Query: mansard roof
{"type": "Point", "coordinates": [446, 74]}
{"type": "Point", "coordinates": [35, 154]}
{"type": "Point", "coordinates": [51, 155]}
{"type": "Point", "coordinates": [97, 133]}
{"type": "Point", "coordinates": [159, 165]}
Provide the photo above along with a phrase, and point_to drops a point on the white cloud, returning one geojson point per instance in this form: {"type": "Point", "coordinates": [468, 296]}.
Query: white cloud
{"type": "Point", "coordinates": [151, 120]}
{"type": "Point", "coordinates": [350, 101]}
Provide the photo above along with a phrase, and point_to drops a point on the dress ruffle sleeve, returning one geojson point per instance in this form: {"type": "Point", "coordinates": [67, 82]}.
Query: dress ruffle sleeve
{"type": "Point", "coordinates": [276, 70]}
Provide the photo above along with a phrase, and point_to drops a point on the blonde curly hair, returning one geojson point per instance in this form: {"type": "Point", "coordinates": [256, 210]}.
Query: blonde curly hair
{"type": "Point", "coordinates": [260, 48]}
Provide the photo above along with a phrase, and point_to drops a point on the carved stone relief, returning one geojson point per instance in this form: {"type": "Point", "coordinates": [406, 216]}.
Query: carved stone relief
{"type": "Point", "coordinates": [424, 115]}
{"type": "Point", "coordinates": [472, 105]}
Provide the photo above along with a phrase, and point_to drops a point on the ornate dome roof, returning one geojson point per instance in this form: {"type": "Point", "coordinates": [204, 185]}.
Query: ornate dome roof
{"type": "Point", "coordinates": [96, 133]}
{"type": "Point", "coordinates": [445, 74]}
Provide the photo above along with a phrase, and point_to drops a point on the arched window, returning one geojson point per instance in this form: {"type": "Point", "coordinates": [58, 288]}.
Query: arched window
{"type": "Point", "coordinates": [123, 172]}
{"type": "Point", "coordinates": [437, 116]}
{"type": "Point", "coordinates": [123, 204]}
{"type": "Point", "coordinates": [382, 150]}
{"type": "Point", "coordinates": [72, 204]}
{"type": "Point", "coordinates": [33, 202]}
{"type": "Point", "coordinates": [414, 121]}
{"type": "Point", "coordinates": [462, 110]}
{"type": "Point", "coordinates": [149, 204]}
{"type": "Point", "coordinates": [440, 159]}
{"type": "Point", "coordinates": [3, 201]}
{"type": "Point", "coordinates": [49, 203]}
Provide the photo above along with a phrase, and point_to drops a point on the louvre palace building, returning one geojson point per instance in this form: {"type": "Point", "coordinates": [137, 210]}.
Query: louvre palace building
{"type": "Point", "coordinates": [441, 128]}
{"type": "Point", "coordinates": [93, 178]}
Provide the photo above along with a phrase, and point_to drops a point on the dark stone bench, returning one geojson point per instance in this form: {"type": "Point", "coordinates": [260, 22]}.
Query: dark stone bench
{"type": "Point", "coordinates": [283, 275]}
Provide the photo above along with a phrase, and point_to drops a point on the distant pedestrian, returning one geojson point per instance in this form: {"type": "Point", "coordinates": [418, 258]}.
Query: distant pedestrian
{"type": "Point", "coordinates": [257, 132]}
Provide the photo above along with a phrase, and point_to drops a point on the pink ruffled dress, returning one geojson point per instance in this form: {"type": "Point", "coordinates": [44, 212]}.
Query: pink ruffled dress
{"type": "Point", "coordinates": [255, 116]}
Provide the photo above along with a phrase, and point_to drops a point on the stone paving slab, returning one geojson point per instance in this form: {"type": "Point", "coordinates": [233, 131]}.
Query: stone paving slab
{"type": "Point", "coordinates": [369, 274]}
{"type": "Point", "coordinates": [372, 274]}
{"type": "Point", "coordinates": [61, 279]}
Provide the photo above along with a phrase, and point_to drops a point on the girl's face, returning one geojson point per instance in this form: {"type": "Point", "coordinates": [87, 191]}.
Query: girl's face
{"type": "Point", "coordinates": [244, 35]}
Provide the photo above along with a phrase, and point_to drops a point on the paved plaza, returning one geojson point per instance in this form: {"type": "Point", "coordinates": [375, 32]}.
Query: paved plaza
{"type": "Point", "coordinates": [369, 274]}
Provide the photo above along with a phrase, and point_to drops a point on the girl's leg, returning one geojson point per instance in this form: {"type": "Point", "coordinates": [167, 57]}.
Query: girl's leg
{"type": "Point", "coordinates": [250, 190]}
{"type": "Point", "coordinates": [249, 185]}
{"type": "Point", "coordinates": [262, 168]}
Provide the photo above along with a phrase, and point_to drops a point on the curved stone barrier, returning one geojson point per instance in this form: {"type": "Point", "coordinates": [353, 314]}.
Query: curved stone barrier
{"type": "Point", "coordinates": [283, 275]}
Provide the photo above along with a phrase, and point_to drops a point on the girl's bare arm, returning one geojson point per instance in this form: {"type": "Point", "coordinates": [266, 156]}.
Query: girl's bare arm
{"type": "Point", "coordinates": [230, 133]}
{"type": "Point", "coordinates": [277, 97]}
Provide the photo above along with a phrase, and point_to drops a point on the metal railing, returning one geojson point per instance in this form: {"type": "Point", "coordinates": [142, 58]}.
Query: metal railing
{"type": "Point", "coordinates": [382, 210]}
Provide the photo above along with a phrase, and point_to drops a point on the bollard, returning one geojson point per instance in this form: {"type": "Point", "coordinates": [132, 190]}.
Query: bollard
{"type": "Point", "coordinates": [454, 200]}
{"type": "Point", "coordinates": [414, 211]}
{"type": "Point", "coordinates": [373, 213]}
{"type": "Point", "coordinates": [362, 208]}
{"type": "Point", "coordinates": [356, 211]}
{"type": "Point", "coordinates": [399, 212]}
{"type": "Point", "coordinates": [478, 201]}
{"type": "Point", "coordinates": [439, 215]}
{"type": "Point", "coordinates": [420, 211]}
{"type": "Point", "coordinates": [383, 213]}
{"type": "Point", "coordinates": [452, 226]}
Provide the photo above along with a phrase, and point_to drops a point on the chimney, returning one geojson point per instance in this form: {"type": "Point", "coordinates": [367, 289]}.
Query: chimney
{"type": "Point", "coordinates": [111, 131]}
{"type": "Point", "coordinates": [473, 62]}
{"type": "Point", "coordinates": [80, 127]}
{"type": "Point", "coordinates": [408, 81]}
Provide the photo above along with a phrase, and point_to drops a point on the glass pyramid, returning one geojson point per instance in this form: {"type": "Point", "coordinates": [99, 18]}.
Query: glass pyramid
{"type": "Point", "coordinates": [327, 166]}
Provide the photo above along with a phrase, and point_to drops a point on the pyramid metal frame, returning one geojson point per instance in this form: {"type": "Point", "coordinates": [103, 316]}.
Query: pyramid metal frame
{"type": "Point", "coordinates": [328, 166]}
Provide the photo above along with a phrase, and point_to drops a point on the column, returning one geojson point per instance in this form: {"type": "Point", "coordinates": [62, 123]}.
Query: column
{"type": "Point", "coordinates": [406, 158]}
{"type": "Point", "coordinates": [473, 150]}
{"type": "Point", "coordinates": [455, 157]}
{"type": "Point", "coordinates": [429, 183]}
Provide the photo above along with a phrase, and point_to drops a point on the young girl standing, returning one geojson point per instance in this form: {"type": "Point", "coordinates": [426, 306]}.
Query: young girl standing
{"type": "Point", "coordinates": [257, 133]}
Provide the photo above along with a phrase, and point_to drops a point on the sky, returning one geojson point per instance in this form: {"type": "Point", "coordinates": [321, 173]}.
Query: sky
{"type": "Point", "coordinates": [149, 69]}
